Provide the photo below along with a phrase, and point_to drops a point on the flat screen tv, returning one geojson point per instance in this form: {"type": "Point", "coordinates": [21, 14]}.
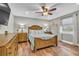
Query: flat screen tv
{"type": "Point", "coordinates": [4, 13]}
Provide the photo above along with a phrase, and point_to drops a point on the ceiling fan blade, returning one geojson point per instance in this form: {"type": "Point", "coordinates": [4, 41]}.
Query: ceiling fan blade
{"type": "Point", "coordinates": [43, 7]}
{"type": "Point", "coordinates": [38, 12]}
{"type": "Point", "coordinates": [52, 9]}
{"type": "Point", "coordinates": [50, 13]}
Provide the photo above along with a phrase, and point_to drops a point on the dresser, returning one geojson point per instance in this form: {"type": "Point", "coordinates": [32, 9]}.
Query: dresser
{"type": "Point", "coordinates": [8, 45]}
{"type": "Point", "coordinates": [22, 37]}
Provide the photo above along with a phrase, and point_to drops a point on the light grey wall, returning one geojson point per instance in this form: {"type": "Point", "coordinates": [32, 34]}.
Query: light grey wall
{"type": "Point", "coordinates": [54, 26]}
{"type": "Point", "coordinates": [28, 22]}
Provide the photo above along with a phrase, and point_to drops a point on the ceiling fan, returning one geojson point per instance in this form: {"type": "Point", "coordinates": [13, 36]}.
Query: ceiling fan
{"type": "Point", "coordinates": [46, 11]}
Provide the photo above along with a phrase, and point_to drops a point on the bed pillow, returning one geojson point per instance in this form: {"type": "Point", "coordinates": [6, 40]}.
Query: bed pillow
{"type": "Point", "coordinates": [40, 31]}
{"type": "Point", "coordinates": [37, 32]}
{"type": "Point", "coordinates": [32, 32]}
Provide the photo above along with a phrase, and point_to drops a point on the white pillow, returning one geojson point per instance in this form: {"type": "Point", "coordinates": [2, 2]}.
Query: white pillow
{"type": "Point", "coordinates": [31, 32]}
{"type": "Point", "coordinates": [36, 32]}
{"type": "Point", "coordinates": [40, 31]}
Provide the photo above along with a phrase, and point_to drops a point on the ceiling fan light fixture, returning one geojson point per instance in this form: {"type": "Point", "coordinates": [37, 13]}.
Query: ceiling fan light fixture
{"type": "Point", "coordinates": [47, 7]}
{"type": "Point", "coordinates": [45, 13]}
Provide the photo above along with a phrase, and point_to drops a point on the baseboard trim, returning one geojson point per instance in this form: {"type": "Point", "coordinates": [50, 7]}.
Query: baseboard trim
{"type": "Point", "coordinates": [67, 42]}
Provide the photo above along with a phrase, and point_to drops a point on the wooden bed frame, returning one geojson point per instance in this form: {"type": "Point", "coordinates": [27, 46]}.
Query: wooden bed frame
{"type": "Point", "coordinates": [40, 43]}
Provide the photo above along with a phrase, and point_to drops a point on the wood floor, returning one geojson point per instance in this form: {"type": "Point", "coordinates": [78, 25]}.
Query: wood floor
{"type": "Point", "coordinates": [62, 49]}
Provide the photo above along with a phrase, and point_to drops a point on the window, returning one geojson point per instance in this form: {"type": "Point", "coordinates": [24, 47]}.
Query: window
{"type": "Point", "coordinates": [67, 25]}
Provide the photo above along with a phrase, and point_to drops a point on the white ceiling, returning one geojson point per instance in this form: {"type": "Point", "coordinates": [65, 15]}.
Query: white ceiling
{"type": "Point", "coordinates": [29, 9]}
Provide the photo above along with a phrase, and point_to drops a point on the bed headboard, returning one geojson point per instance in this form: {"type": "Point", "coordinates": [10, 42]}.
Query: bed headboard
{"type": "Point", "coordinates": [35, 27]}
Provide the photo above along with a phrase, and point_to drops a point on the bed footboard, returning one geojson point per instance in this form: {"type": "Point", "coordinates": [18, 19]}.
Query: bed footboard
{"type": "Point", "coordinates": [40, 43]}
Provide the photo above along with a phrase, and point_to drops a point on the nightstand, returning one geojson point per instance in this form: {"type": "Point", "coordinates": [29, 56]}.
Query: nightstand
{"type": "Point", "coordinates": [22, 37]}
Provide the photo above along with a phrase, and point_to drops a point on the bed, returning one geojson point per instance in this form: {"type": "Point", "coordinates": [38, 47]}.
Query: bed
{"type": "Point", "coordinates": [38, 39]}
